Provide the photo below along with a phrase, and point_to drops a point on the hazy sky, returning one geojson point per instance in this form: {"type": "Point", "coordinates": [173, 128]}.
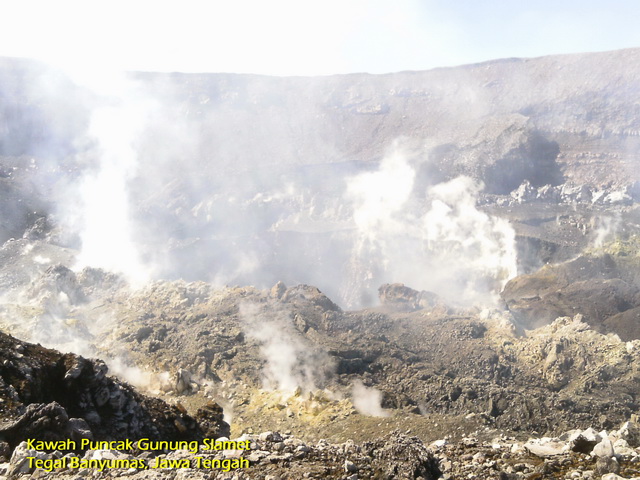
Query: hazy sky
{"type": "Point", "coordinates": [300, 37]}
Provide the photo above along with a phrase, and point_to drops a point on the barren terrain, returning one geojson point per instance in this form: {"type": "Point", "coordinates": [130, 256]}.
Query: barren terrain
{"type": "Point", "coordinates": [418, 275]}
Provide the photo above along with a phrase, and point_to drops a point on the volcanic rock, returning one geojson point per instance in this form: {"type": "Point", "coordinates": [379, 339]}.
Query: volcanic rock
{"type": "Point", "coordinates": [52, 396]}
{"type": "Point", "coordinates": [600, 287]}
{"type": "Point", "coordinates": [400, 296]}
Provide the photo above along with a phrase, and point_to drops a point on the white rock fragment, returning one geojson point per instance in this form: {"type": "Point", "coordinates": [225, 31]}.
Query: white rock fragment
{"type": "Point", "coordinates": [603, 449]}
{"type": "Point", "coordinates": [517, 449]}
{"type": "Point", "coordinates": [19, 462]}
{"type": "Point", "coordinates": [182, 381]}
{"type": "Point", "coordinates": [589, 434]}
{"type": "Point", "coordinates": [546, 447]}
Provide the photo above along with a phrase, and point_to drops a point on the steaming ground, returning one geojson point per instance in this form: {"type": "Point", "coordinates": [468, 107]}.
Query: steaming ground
{"type": "Point", "coordinates": [243, 180]}
{"type": "Point", "coordinates": [412, 363]}
{"type": "Point", "coordinates": [447, 246]}
{"type": "Point", "coordinates": [453, 252]}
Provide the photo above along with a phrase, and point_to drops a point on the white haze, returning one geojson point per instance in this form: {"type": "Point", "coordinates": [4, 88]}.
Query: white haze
{"type": "Point", "coordinates": [106, 232]}
{"type": "Point", "coordinates": [285, 37]}
{"type": "Point", "coordinates": [439, 242]}
{"type": "Point", "coordinates": [161, 189]}
{"type": "Point", "coordinates": [290, 363]}
{"type": "Point", "coordinates": [435, 240]}
{"type": "Point", "coordinates": [367, 400]}
{"type": "Point", "coordinates": [605, 229]}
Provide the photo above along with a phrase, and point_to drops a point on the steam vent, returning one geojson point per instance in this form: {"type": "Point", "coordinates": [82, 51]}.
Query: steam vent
{"type": "Point", "coordinates": [420, 275]}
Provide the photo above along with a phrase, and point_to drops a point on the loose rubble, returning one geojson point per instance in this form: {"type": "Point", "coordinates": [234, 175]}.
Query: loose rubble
{"type": "Point", "coordinates": [277, 455]}
{"type": "Point", "coordinates": [574, 454]}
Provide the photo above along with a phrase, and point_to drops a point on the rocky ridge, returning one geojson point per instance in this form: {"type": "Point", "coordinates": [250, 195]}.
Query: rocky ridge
{"type": "Point", "coordinates": [53, 396]}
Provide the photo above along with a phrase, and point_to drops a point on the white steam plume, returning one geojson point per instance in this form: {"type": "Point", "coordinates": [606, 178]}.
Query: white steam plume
{"type": "Point", "coordinates": [107, 233]}
{"type": "Point", "coordinates": [368, 401]}
{"type": "Point", "coordinates": [468, 248]}
{"type": "Point", "coordinates": [441, 242]}
{"type": "Point", "coordinates": [605, 229]}
{"type": "Point", "coordinates": [381, 195]}
{"type": "Point", "coordinates": [290, 363]}
{"type": "Point", "coordinates": [98, 206]}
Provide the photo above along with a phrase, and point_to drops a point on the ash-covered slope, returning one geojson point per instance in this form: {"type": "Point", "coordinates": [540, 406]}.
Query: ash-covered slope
{"type": "Point", "coordinates": [289, 359]}
{"type": "Point", "coordinates": [476, 117]}
{"type": "Point", "coordinates": [457, 181]}
{"type": "Point", "coordinates": [452, 181]}
{"type": "Point", "coordinates": [241, 122]}
{"type": "Point", "coordinates": [425, 361]}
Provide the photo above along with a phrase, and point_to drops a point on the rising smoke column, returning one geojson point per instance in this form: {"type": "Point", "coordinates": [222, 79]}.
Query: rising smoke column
{"type": "Point", "coordinates": [290, 362]}
{"type": "Point", "coordinates": [378, 200]}
{"type": "Point", "coordinates": [367, 400]}
{"type": "Point", "coordinates": [98, 207]}
{"type": "Point", "coordinates": [440, 242]}
{"type": "Point", "coordinates": [605, 229]}
{"type": "Point", "coordinates": [380, 197]}
{"type": "Point", "coordinates": [472, 252]}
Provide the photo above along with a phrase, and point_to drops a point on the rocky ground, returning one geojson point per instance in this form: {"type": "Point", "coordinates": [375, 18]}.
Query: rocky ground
{"type": "Point", "coordinates": [361, 376]}
{"type": "Point", "coordinates": [52, 396]}
{"type": "Point", "coordinates": [85, 403]}
{"type": "Point", "coordinates": [290, 360]}
{"type": "Point", "coordinates": [560, 376]}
